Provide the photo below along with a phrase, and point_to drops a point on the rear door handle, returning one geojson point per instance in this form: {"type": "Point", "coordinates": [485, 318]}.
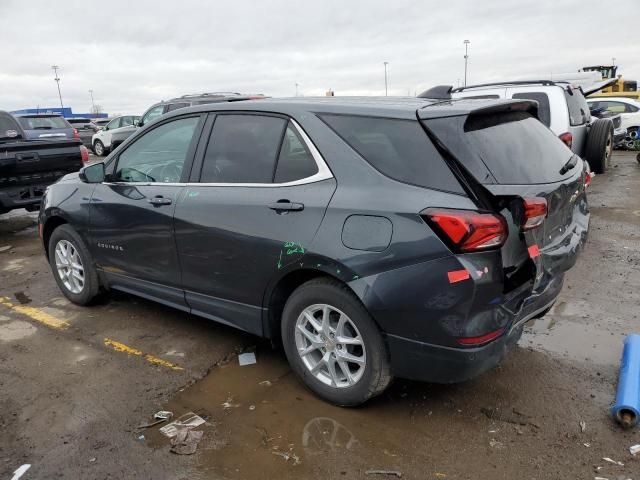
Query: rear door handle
{"type": "Point", "coordinates": [286, 206]}
{"type": "Point", "coordinates": [159, 200]}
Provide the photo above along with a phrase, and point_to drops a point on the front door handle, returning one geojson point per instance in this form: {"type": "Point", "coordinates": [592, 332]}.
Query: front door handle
{"type": "Point", "coordinates": [282, 206]}
{"type": "Point", "coordinates": [159, 200]}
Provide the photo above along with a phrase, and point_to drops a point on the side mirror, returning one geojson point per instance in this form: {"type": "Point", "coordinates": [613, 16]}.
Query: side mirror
{"type": "Point", "coordinates": [94, 173]}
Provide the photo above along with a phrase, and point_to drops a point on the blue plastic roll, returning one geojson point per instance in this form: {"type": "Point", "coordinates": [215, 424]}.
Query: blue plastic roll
{"type": "Point", "coordinates": [627, 407]}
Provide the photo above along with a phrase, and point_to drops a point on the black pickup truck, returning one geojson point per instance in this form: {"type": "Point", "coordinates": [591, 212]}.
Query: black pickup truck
{"type": "Point", "coordinates": [27, 167]}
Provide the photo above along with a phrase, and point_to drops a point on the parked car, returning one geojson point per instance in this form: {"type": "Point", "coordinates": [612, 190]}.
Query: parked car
{"type": "Point", "coordinates": [372, 237]}
{"type": "Point", "coordinates": [184, 101]}
{"type": "Point", "coordinates": [101, 140]}
{"type": "Point", "coordinates": [101, 122]}
{"type": "Point", "coordinates": [47, 125]}
{"type": "Point", "coordinates": [85, 127]}
{"type": "Point", "coordinates": [629, 111]}
{"type": "Point", "coordinates": [563, 109]}
{"type": "Point", "coordinates": [27, 167]}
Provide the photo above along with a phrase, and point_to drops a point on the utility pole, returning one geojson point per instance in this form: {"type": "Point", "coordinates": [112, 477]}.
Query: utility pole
{"type": "Point", "coordinates": [466, 59]}
{"type": "Point", "coordinates": [297, 88]}
{"type": "Point", "coordinates": [57, 79]}
{"type": "Point", "coordinates": [93, 105]}
{"type": "Point", "coordinates": [386, 89]}
{"type": "Point", "coordinates": [613, 61]}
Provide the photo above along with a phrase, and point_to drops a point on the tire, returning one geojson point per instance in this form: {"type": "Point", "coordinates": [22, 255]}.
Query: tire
{"type": "Point", "coordinates": [66, 236]}
{"type": "Point", "coordinates": [600, 145]}
{"type": "Point", "coordinates": [364, 381]}
{"type": "Point", "coordinates": [99, 149]}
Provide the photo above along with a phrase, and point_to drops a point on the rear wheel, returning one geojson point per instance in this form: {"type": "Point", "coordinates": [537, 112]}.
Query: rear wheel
{"type": "Point", "coordinates": [72, 266]}
{"type": "Point", "coordinates": [99, 148]}
{"type": "Point", "coordinates": [600, 145]}
{"type": "Point", "coordinates": [333, 344]}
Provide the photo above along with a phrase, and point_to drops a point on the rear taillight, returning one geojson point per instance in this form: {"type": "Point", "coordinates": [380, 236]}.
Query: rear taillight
{"type": "Point", "coordinates": [84, 154]}
{"type": "Point", "coordinates": [567, 138]}
{"type": "Point", "coordinates": [75, 133]}
{"type": "Point", "coordinates": [587, 178]}
{"type": "Point", "coordinates": [466, 230]}
{"type": "Point", "coordinates": [535, 211]}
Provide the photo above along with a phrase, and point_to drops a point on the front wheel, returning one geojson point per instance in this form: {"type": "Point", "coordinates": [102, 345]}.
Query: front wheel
{"type": "Point", "coordinates": [99, 148]}
{"type": "Point", "coordinates": [72, 266]}
{"type": "Point", "coordinates": [333, 344]}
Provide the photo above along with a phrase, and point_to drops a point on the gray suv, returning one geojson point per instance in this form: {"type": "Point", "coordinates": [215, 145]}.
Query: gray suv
{"type": "Point", "coordinates": [164, 107]}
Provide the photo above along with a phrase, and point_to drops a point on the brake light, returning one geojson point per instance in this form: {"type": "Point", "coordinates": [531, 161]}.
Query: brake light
{"type": "Point", "coordinates": [587, 178]}
{"type": "Point", "coordinates": [480, 340]}
{"type": "Point", "coordinates": [535, 211]}
{"type": "Point", "coordinates": [466, 230]}
{"type": "Point", "coordinates": [84, 154]}
{"type": "Point", "coordinates": [567, 138]}
{"type": "Point", "coordinates": [75, 133]}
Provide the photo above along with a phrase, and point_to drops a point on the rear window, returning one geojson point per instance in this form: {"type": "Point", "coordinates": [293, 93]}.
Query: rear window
{"type": "Point", "coordinates": [544, 111]}
{"type": "Point", "coordinates": [43, 123]}
{"type": "Point", "coordinates": [513, 146]}
{"type": "Point", "coordinates": [399, 149]}
{"type": "Point", "coordinates": [578, 108]}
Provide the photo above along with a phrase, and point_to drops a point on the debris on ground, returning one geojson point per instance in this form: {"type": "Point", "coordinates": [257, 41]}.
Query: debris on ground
{"type": "Point", "coordinates": [20, 471]}
{"type": "Point", "coordinates": [188, 420]}
{"type": "Point", "coordinates": [495, 444]}
{"type": "Point", "coordinates": [186, 441]}
{"type": "Point", "coordinates": [265, 383]}
{"type": "Point", "coordinates": [583, 426]}
{"type": "Point", "coordinates": [141, 438]}
{"type": "Point", "coordinates": [607, 459]}
{"type": "Point", "coordinates": [163, 415]}
{"type": "Point", "coordinates": [384, 472]}
{"type": "Point", "coordinates": [634, 449]}
{"type": "Point", "coordinates": [6, 248]}
{"type": "Point", "coordinates": [246, 359]}
{"type": "Point", "coordinates": [287, 456]}
{"type": "Point", "coordinates": [229, 403]}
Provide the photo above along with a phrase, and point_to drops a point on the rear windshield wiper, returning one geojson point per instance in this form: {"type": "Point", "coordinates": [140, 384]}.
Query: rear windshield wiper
{"type": "Point", "coordinates": [42, 128]}
{"type": "Point", "coordinates": [572, 162]}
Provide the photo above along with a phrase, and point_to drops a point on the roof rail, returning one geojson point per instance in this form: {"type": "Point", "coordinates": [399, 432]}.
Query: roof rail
{"type": "Point", "coordinates": [439, 92]}
{"type": "Point", "coordinates": [208, 94]}
{"type": "Point", "coordinates": [515, 82]}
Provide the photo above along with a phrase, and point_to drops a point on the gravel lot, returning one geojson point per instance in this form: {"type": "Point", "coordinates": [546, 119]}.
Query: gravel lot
{"type": "Point", "coordinates": [75, 383]}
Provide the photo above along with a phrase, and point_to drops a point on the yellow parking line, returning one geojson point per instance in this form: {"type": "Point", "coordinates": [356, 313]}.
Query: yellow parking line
{"type": "Point", "coordinates": [121, 347]}
{"type": "Point", "coordinates": [35, 314]}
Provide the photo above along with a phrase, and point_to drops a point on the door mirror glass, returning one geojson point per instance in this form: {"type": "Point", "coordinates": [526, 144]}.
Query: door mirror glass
{"type": "Point", "coordinates": [92, 173]}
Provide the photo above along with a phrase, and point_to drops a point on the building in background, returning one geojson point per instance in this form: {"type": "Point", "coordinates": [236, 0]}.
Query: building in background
{"type": "Point", "coordinates": [65, 112]}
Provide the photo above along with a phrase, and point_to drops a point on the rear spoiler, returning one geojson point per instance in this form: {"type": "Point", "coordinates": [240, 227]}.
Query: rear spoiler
{"type": "Point", "coordinates": [473, 107]}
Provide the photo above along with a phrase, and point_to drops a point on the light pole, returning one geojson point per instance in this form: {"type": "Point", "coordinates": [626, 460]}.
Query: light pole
{"type": "Point", "coordinates": [93, 105]}
{"type": "Point", "coordinates": [466, 59]}
{"type": "Point", "coordinates": [297, 84]}
{"type": "Point", "coordinates": [386, 90]}
{"type": "Point", "coordinates": [613, 61]}
{"type": "Point", "coordinates": [57, 79]}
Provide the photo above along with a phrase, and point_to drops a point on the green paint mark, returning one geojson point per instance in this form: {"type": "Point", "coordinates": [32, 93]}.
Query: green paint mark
{"type": "Point", "coordinates": [280, 261]}
{"type": "Point", "coordinates": [293, 247]}
{"type": "Point", "coordinates": [338, 271]}
{"type": "Point", "coordinates": [193, 194]}
{"type": "Point", "coordinates": [318, 266]}
{"type": "Point", "coordinates": [356, 277]}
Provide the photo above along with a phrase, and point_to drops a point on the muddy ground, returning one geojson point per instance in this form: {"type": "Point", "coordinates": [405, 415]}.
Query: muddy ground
{"type": "Point", "coordinates": [75, 383]}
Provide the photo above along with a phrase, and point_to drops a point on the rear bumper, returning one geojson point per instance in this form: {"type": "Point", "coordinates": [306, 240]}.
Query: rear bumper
{"type": "Point", "coordinates": [24, 196]}
{"type": "Point", "coordinates": [427, 362]}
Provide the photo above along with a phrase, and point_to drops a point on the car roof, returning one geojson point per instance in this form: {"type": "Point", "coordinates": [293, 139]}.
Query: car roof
{"type": "Point", "coordinates": [392, 107]}
{"type": "Point", "coordinates": [514, 84]}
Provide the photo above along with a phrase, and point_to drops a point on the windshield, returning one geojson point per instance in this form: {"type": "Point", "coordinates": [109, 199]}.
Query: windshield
{"type": "Point", "coordinates": [42, 123]}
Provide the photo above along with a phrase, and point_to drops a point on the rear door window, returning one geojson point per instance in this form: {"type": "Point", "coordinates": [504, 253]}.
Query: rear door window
{"type": "Point", "coordinates": [399, 149]}
{"type": "Point", "coordinates": [579, 113]}
{"type": "Point", "coordinates": [544, 111]}
{"type": "Point", "coordinates": [242, 149]}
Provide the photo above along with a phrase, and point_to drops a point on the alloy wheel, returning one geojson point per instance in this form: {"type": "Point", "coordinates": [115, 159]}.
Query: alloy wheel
{"type": "Point", "coordinates": [330, 346]}
{"type": "Point", "coordinates": [69, 266]}
{"type": "Point", "coordinates": [98, 148]}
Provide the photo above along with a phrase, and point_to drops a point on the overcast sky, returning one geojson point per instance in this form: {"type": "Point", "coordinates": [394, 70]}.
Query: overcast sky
{"type": "Point", "coordinates": [133, 53]}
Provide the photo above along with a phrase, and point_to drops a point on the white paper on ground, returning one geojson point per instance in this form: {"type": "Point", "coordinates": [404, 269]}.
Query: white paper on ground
{"type": "Point", "coordinates": [189, 420]}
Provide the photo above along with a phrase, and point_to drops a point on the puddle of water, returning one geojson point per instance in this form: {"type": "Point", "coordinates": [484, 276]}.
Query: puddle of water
{"type": "Point", "coordinates": [16, 330]}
